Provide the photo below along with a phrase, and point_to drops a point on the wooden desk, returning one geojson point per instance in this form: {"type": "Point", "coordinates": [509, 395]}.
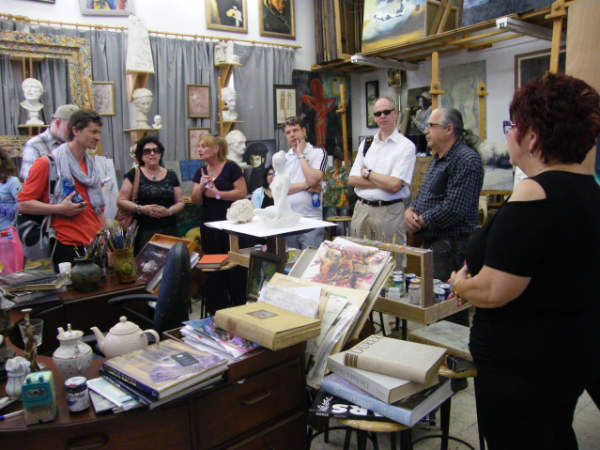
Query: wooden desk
{"type": "Point", "coordinates": [267, 410]}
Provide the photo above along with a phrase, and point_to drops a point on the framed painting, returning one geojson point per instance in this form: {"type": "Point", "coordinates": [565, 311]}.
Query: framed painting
{"type": "Point", "coordinates": [104, 97]}
{"type": "Point", "coordinates": [534, 64]}
{"type": "Point", "coordinates": [277, 19]}
{"type": "Point", "coordinates": [258, 156]}
{"type": "Point", "coordinates": [261, 269]}
{"type": "Point", "coordinates": [227, 15]}
{"type": "Point", "coordinates": [106, 7]}
{"type": "Point", "coordinates": [198, 101]}
{"type": "Point", "coordinates": [371, 94]}
{"type": "Point", "coordinates": [194, 135]}
{"type": "Point", "coordinates": [285, 100]}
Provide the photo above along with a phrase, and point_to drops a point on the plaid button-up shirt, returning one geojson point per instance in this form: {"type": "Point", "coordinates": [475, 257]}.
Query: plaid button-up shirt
{"type": "Point", "coordinates": [36, 147]}
{"type": "Point", "coordinates": [449, 195]}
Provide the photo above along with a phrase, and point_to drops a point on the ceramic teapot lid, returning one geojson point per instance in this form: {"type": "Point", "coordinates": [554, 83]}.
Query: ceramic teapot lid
{"type": "Point", "coordinates": [70, 334]}
{"type": "Point", "coordinates": [124, 327]}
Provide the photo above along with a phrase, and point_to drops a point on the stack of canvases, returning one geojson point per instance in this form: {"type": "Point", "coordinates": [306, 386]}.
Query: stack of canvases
{"type": "Point", "coordinates": [393, 378]}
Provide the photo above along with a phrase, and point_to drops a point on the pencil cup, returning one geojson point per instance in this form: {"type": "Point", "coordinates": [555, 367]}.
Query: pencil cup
{"type": "Point", "coordinates": [125, 267]}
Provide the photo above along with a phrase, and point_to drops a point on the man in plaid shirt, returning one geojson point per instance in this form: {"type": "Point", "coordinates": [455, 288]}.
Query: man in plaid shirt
{"type": "Point", "coordinates": [444, 213]}
{"type": "Point", "coordinates": [45, 143]}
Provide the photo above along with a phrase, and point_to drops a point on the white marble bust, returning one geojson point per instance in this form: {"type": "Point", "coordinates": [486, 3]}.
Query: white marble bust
{"type": "Point", "coordinates": [230, 56]}
{"type": "Point", "coordinates": [32, 91]}
{"type": "Point", "coordinates": [142, 99]}
{"type": "Point", "coordinates": [229, 96]}
{"type": "Point", "coordinates": [157, 125]}
{"type": "Point", "coordinates": [236, 144]}
{"type": "Point", "coordinates": [139, 54]}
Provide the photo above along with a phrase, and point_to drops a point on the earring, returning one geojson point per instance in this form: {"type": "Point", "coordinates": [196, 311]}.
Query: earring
{"type": "Point", "coordinates": [531, 153]}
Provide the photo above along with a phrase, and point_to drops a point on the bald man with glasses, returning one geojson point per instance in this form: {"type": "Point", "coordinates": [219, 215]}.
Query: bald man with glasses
{"type": "Point", "coordinates": [381, 176]}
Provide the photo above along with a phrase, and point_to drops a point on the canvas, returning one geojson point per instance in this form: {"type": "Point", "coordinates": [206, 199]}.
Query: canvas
{"type": "Point", "coordinates": [277, 18]}
{"type": "Point", "coordinates": [475, 11]}
{"type": "Point", "coordinates": [198, 100]}
{"type": "Point", "coordinates": [498, 169]}
{"type": "Point", "coordinates": [460, 86]}
{"type": "Point", "coordinates": [104, 97]}
{"type": "Point", "coordinates": [535, 64]}
{"type": "Point", "coordinates": [261, 268]}
{"type": "Point", "coordinates": [227, 15]}
{"type": "Point", "coordinates": [258, 155]}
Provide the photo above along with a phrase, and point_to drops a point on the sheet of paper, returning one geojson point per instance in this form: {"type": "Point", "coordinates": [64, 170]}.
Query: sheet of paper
{"type": "Point", "coordinates": [301, 300]}
{"type": "Point", "coordinates": [334, 307]}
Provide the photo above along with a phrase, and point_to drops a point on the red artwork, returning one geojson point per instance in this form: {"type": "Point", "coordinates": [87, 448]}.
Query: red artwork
{"type": "Point", "coordinates": [322, 106]}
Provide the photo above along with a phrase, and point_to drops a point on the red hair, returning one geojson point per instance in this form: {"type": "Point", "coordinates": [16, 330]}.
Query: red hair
{"type": "Point", "coordinates": [564, 113]}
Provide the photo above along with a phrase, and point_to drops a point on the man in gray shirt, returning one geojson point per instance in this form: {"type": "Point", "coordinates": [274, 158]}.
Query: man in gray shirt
{"type": "Point", "coordinates": [45, 143]}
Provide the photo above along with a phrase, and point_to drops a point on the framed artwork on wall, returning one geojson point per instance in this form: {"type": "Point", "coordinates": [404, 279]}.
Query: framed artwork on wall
{"type": "Point", "coordinates": [106, 7]}
{"type": "Point", "coordinates": [277, 19]}
{"type": "Point", "coordinates": [104, 97]}
{"type": "Point", "coordinates": [371, 94]}
{"type": "Point", "coordinates": [285, 102]}
{"type": "Point", "coordinates": [227, 15]}
{"type": "Point", "coordinates": [258, 156]}
{"type": "Point", "coordinates": [534, 64]}
{"type": "Point", "coordinates": [194, 135]}
{"type": "Point", "coordinates": [262, 267]}
{"type": "Point", "coordinates": [198, 100]}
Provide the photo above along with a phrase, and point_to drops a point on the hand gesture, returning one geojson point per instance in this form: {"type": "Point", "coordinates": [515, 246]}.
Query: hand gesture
{"type": "Point", "coordinates": [206, 180]}
{"type": "Point", "coordinates": [70, 209]}
{"type": "Point", "coordinates": [413, 221]}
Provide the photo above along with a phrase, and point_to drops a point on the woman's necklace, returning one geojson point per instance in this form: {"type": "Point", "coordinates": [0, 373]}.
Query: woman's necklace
{"type": "Point", "coordinates": [153, 175]}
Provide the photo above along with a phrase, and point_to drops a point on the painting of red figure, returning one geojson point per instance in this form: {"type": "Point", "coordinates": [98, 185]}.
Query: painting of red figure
{"type": "Point", "coordinates": [319, 99]}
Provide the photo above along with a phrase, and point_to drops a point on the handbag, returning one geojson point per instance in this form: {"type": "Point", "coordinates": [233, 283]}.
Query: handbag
{"type": "Point", "coordinates": [124, 218]}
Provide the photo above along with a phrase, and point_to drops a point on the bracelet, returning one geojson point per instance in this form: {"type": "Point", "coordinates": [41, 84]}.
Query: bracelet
{"type": "Point", "coordinates": [170, 212]}
{"type": "Point", "coordinates": [301, 156]}
{"type": "Point", "coordinates": [455, 292]}
{"type": "Point", "coordinates": [137, 209]}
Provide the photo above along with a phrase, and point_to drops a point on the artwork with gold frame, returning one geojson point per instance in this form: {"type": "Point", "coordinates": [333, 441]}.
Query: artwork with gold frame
{"type": "Point", "coordinates": [103, 94]}
{"type": "Point", "coordinates": [275, 22]}
{"type": "Point", "coordinates": [231, 15]}
{"type": "Point", "coordinates": [198, 100]}
{"type": "Point", "coordinates": [106, 7]}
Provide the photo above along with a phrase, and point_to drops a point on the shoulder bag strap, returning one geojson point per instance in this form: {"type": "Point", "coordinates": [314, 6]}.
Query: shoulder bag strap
{"type": "Point", "coordinates": [136, 185]}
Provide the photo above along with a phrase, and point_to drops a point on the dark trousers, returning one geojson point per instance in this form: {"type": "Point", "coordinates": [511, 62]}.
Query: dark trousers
{"type": "Point", "coordinates": [143, 236]}
{"type": "Point", "coordinates": [65, 253]}
{"type": "Point", "coordinates": [448, 256]}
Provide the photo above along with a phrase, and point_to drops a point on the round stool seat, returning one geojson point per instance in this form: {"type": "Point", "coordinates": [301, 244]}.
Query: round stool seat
{"type": "Point", "coordinates": [375, 427]}
{"type": "Point", "coordinates": [339, 219]}
{"type": "Point", "coordinates": [443, 371]}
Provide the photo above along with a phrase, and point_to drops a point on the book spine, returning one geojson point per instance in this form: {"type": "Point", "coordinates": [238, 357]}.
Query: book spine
{"type": "Point", "coordinates": [130, 381]}
{"type": "Point", "coordinates": [452, 350]}
{"type": "Point", "coordinates": [373, 404]}
{"type": "Point", "coordinates": [375, 389]}
{"type": "Point", "coordinates": [389, 368]}
{"type": "Point", "coordinates": [132, 392]}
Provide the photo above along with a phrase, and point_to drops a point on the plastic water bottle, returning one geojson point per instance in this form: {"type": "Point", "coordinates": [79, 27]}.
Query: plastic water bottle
{"type": "Point", "coordinates": [316, 200]}
{"type": "Point", "coordinates": [70, 187]}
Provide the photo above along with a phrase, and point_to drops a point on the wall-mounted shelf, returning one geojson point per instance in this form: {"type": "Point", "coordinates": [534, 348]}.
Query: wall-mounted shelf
{"type": "Point", "coordinates": [31, 130]}
{"type": "Point", "coordinates": [226, 71]}
{"type": "Point", "coordinates": [137, 134]}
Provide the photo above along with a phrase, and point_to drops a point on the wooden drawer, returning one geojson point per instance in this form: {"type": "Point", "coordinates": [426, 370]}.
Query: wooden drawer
{"type": "Point", "coordinates": [164, 428]}
{"type": "Point", "coordinates": [239, 408]}
{"type": "Point", "coordinates": [289, 434]}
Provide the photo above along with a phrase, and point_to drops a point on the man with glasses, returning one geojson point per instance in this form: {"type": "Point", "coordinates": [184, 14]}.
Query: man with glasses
{"type": "Point", "coordinates": [76, 216]}
{"type": "Point", "coordinates": [381, 178]}
{"type": "Point", "coordinates": [306, 165]}
{"type": "Point", "coordinates": [445, 211]}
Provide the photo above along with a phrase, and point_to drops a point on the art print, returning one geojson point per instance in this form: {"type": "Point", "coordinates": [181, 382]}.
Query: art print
{"type": "Point", "coordinates": [261, 269]}
{"type": "Point", "coordinates": [106, 7]}
{"type": "Point", "coordinates": [194, 135]}
{"type": "Point", "coordinates": [371, 94]}
{"type": "Point", "coordinates": [258, 155]}
{"type": "Point", "coordinates": [276, 18]}
{"type": "Point", "coordinates": [104, 97]}
{"type": "Point", "coordinates": [286, 105]}
{"type": "Point", "coordinates": [227, 15]}
{"type": "Point", "coordinates": [498, 175]}
{"type": "Point", "coordinates": [198, 101]}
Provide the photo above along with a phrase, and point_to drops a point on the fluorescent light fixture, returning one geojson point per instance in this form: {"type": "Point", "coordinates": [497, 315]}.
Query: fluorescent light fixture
{"type": "Point", "coordinates": [383, 63]}
{"type": "Point", "coordinates": [526, 28]}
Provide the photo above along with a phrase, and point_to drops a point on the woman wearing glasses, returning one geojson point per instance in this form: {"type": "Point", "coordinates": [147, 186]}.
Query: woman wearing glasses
{"type": "Point", "coordinates": [160, 197]}
{"type": "Point", "coordinates": [536, 337]}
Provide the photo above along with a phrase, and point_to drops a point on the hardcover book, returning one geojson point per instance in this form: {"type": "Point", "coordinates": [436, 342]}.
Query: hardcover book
{"type": "Point", "coordinates": [150, 261]}
{"type": "Point", "coordinates": [329, 405]}
{"type": "Point", "coordinates": [164, 368]}
{"type": "Point", "coordinates": [407, 411]}
{"type": "Point", "coordinates": [15, 279]}
{"type": "Point", "coordinates": [224, 340]}
{"type": "Point", "coordinates": [396, 358]}
{"type": "Point", "coordinates": [458, 364]}
{"type": "Point", "coordinates": [451, 336]}
{"type": "Point", "coordinates": [383, 387]}
{"type": "Point", "coordinates": [213, 261]}
{"type": "Point", "coordinates": [267, 325]}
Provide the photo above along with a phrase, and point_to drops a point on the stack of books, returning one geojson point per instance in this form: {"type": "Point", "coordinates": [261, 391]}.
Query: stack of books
{"type": "Point", "coordinates": [33, 287]}
{"type": "Point", "coordinates": [213, 261]}
{"type": "Point", "coordinates": [388, 377]}
{"type": "Point", "coordinates": [163, 372]}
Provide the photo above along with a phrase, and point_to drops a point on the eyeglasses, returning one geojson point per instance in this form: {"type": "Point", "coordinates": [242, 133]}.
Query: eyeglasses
{"type": "Point", "coordinates": [431, 125]}
{"type": "Point", "coordinates": [385, 112]}
{"type": "Point", "coordinates": [92, 117]}
{"type": "Point", "coordinates": [147, 151]}
{"type": "Point", "coordinates": [293, 121]}
{"type": "Point", "coordinates": [508, 126]}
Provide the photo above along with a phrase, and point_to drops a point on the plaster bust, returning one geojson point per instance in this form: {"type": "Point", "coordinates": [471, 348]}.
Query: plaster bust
{"type": "Point", "coordinates": [142, 99]}
{"type": "Point", "coordinates": [220, 52]}
{"type": "Point", "coordinates": [231, 57]}
{"type": "Point", "coordinates": [157, 125]}
{"type": "Point", "coordinates": [229, 97]}
{"type": "Point", "coordinates": [236, 144]}
{"type": "Point", "coordinates": [32, 91]}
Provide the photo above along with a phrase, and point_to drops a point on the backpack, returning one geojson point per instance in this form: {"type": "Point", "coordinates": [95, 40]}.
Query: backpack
{"type": "Point", "coordinates": [34, 230]}
{"type": "Point", "coordinates": [351, 195]}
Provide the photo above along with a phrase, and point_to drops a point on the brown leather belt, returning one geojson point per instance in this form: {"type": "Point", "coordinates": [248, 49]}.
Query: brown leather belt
{"type": "Point", "coordinates": [380, 202]}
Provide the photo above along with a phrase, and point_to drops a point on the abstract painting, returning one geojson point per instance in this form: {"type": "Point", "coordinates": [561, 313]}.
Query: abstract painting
{"type": "Point", "coordinates": [475, 11]}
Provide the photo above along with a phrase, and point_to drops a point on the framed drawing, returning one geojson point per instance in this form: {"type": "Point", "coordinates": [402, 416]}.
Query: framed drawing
{"type": "Point", "coordinates": [198, 101]}
{"type": "Point", "coordinates": [106, 7]}
{"type": "Point", "coordinates": [277, 18]}
{"type": "Point", "coordinates": [531, 65]}
{"type": "Point", "coordinates": [104, 97]}
{"type": "Point", "coordinates": [194, 135]}
{"type": "Point", "coordinates": [285, 103]}
{"type": "Point", "coordinates": [371, 94]}
{"type": "Point", "coordinates": [227, 15]}
{"type": "Point", "coordinates": [262, 267]}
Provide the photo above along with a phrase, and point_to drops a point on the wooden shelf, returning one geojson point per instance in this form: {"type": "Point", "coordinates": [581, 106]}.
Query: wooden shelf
{"type": "Point", "coordinates": [136, 80]}
{"type": "Point", "coordinates": [137, 134]}
{"type": "Point", "coordinates": [32, 130]}
{"type": "Point", "coordinates": [226, 71]}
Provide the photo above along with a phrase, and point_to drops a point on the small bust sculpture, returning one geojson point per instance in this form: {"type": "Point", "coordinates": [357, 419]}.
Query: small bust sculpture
{"type": "Point", "coordinates": [142, 99]}
{"type": "Point", "coordinates": [229, 97]}
{"type": "Point", "coordinates": [32, 90]}
{"type": "Point", "coordinates": [241, 211]}
{"type": "Point", "coordinates": [157, 125]}
{"type": "Point", "coordinates": [220, 52]}
{"type": "Point", "coordinates": [280, 215]}
{"type": "Point", "coordinates": [231, 57]}
{"type": "Point", "coordinates": [236, 144]}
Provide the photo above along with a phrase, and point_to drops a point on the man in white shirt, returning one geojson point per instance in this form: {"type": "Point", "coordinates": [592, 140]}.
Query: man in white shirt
{"type": "Point", "coordinates": [306, 165]}
{"type": "Point", "coordinates": [382, 177]}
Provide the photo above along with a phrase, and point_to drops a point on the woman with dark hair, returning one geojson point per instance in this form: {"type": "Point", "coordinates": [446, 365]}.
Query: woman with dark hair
{"type": "Point", "coordinates": [535, 337]}
{"type": "Point", "coordinates": [262, 197]}
{"type": "Point", "coordinates": [160, 197]}
{"type": "Point", "coordinates": [10, 186]}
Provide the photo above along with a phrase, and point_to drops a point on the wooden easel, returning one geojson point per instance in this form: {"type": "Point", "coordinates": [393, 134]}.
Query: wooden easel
{"type": "Point", "coordinates": [436, 90]}
{"type": "Point", "coordinates": [441, 17]}
{"type": "Point", "coordinates": [482, 94]}
{"type": "Point", "coordinates": [559, 12]}
{"type": "Point", "coordinates": [342, 112]}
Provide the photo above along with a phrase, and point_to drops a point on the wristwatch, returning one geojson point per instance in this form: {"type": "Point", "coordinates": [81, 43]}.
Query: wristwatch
{"type": "Point", "coordinates": [367, 173]}
{"type": "Point", "coordinates": [218, 196]}
{"type": "Point", "coordinates": [301, 156]}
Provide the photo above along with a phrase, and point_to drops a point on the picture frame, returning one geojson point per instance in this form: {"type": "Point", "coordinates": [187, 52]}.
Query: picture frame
{"type": "Point", "coordinates": [115, 7]}
{"type": "Point", "coordinates": [261, 268]}
{"type": "Point", "coordinates": [285, 102]}
{"type": "Point", "coordinates": [103, 94]}
{"type": "Point", "coordinates": [45, 1]}
{"type": "Point", "coordinates": [371, 94]}
{"type": "Point", "coordinates": [258, 155]}
{"type": "Point", "coordinates": [194, 135]}
{"type": "Point", "coordinates": [530, 65]}
{"type": "Point", "coordinates": [198, 101]}
{"type": "Point", "coordinates": [232, 17]}
{"type": "Point", "coordinates": [278, 23]}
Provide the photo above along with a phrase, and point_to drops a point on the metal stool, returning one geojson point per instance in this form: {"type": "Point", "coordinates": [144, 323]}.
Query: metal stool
{"type": "Point", "coordinates": [344, 221]}
{"type": "Point", "coordinates": [366, 429]}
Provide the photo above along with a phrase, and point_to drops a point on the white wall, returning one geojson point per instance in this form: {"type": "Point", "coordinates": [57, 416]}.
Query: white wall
{"type": "Point", "coordinates": [182, 16]}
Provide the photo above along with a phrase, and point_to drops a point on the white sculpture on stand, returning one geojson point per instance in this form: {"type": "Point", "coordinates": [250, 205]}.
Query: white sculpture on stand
{"type": "Point", "coordinates": [229, 96]}
{"type": "Point", "coordinates": [220, 48]}
{"type": "Point", "coordinates": [142, 99]}
{"type": "Point", "coordinates": [139, 54]}
{"type": "Point", "coordinates": [236, 144]}
{"type": "Point", "coordinates": [280, 215]}
{"type": "Point", "coordinates": [157, 125]}
{"type": "Point", "coordinates": [231, 57]}
{"type": "Point", "coordinates": [32, 90]}
{"type": "Point", "coordinates": [241, 211]}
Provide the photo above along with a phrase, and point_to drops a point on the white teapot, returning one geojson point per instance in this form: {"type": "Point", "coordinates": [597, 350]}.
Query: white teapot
{"type": "Point", "coordinates": [73, 357]}
{"type": "Point", "coordinates": [123, 338]}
